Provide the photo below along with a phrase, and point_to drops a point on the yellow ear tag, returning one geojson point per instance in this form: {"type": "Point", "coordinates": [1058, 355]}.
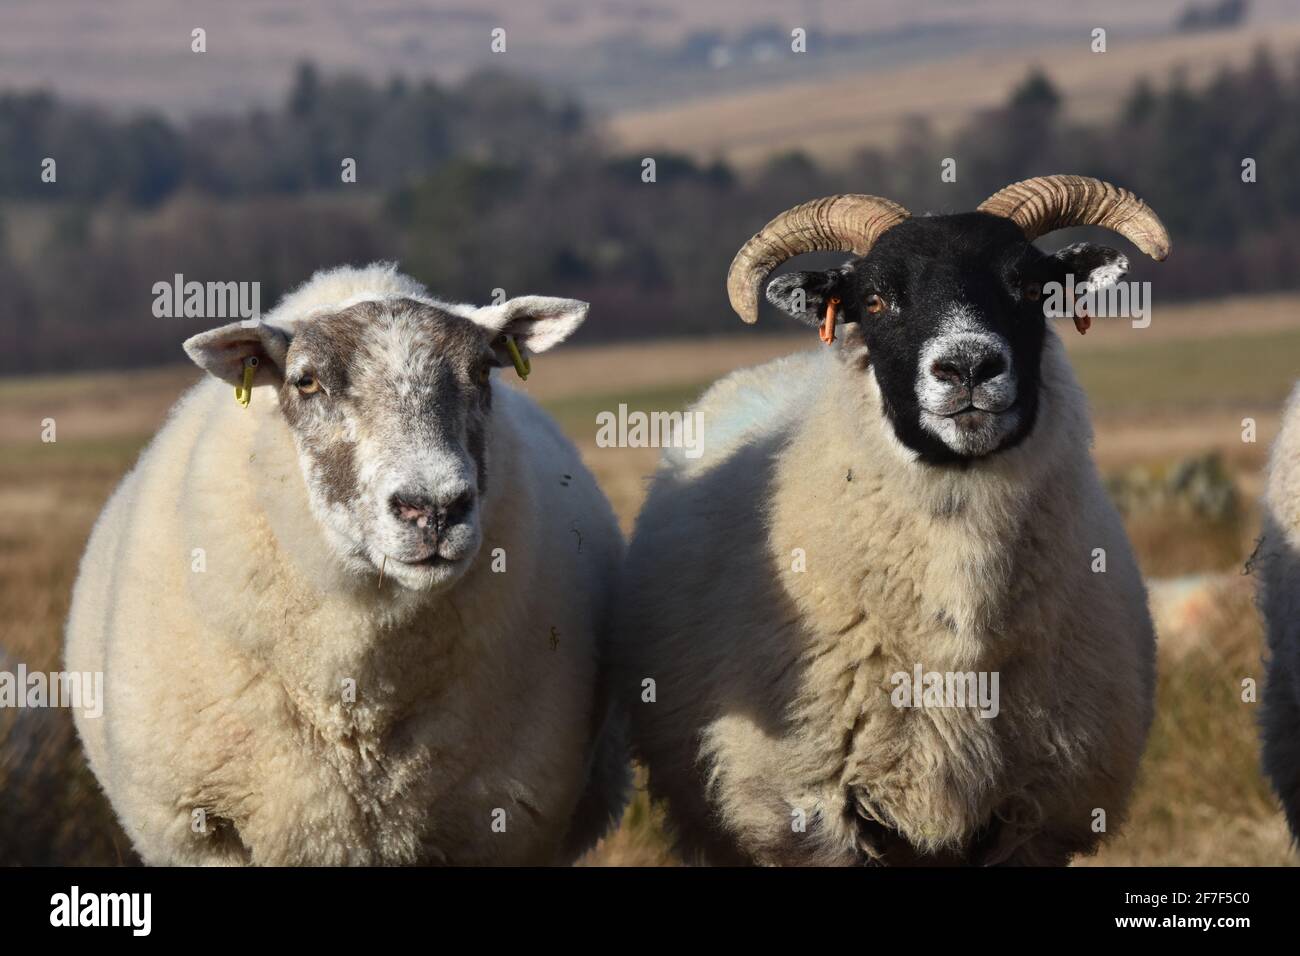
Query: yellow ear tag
{"type": "Point", "coordinates": [244, 393]}
{"type": "Point", "coordinates": [522, 365]}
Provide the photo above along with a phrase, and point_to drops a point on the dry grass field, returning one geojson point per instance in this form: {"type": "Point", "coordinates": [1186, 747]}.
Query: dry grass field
{"type": "Point", "coordinates": [1161, 395]}
{"type": "Point", "coordinates": [746, 127]}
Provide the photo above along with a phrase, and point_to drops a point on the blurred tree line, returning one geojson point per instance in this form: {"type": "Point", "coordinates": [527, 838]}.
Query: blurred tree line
{"type": "Point", "coordinates": [494, 183]}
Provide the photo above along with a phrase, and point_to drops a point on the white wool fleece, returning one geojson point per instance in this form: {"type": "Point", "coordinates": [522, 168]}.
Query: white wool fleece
{"type": "Point", "coordinates": [263, 706]}
{"type": "Point", "coordinates": [774, 587]}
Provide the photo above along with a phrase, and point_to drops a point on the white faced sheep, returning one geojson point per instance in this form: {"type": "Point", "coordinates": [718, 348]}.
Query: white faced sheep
{"type": "Point", "coordinates": [360, 620]}
{"type": "Point", "coordinates": [883, 531]}
{"type": "Point", "coordinates": [1279, 600]}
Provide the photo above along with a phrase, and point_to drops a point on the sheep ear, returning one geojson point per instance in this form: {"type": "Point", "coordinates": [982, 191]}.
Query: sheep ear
{"type": "Point", "coordinates": [1099, 266]}
{"type": "Point", "coordinates": [803, 295]}
{"type": "Point", "coordinates": [221, 352]}
{"type": "Point", "coordinates": [537, 322]}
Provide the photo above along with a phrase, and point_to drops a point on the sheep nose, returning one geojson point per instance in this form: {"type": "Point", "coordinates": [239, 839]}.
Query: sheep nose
{"type": "Point", "coordinates": [969, 367]}
{"type": "Point", "coordinates": [422, 510]}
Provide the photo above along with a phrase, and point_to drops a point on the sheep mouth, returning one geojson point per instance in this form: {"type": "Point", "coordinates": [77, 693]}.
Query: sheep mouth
{"type": "Point", "coordinates": [973, 405]}
{"type": "Point", "coordinates": [972, 415]}
{"type": "Point", "coordinates": [971, 431]}
{"type": "Point", "coordinates": [429, 561]}
{"type": "Point", "coordinates": [971, 418]}
{"type": "Point", "coordinates": [445, 553]}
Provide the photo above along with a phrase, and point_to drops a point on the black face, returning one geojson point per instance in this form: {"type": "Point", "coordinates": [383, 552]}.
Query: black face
{"type": "Point", "coordinates": [948, 312]}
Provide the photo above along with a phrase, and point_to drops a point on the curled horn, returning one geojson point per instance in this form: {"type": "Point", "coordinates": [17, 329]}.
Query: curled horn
{"type": "Point", "coordinates": [1046, 203]}
{"type": "Point", "coordinates": [844, 223]}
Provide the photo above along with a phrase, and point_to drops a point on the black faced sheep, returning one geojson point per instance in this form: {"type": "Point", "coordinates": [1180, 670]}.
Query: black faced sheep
{"type": "Point", "coordinates": [890, 615]}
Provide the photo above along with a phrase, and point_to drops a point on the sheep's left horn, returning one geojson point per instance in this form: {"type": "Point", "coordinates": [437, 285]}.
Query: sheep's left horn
{"type": "Point", "coordinates": [1047, 203]}
{"type": "Point", "coordinates": [844, 223]}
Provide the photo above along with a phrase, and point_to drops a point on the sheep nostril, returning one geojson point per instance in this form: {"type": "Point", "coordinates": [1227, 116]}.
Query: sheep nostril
{"type": "Point", "coordinates": [947, 372]}
{"type": "Point", "coordinates": [990, 367]}
{"type": "Point", "coordinates": [413, 509]}
{"type": "Point", "coordinates": [456, 510]}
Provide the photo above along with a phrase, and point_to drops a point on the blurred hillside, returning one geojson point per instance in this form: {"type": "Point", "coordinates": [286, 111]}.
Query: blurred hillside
{"type": "Point", "coordinates": [493, 182]}
{"type": "Point", "coordinates": [614, 53]}
{"type": "Point", "coordinates": [871, 105]}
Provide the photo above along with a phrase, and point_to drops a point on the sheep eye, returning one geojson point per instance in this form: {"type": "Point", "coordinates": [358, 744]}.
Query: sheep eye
{"type": "Point", "coordinates": [484, 373]}
{"type": "Point", "coordinates": [308, 385]}
{"type": "Point", "coordinates": [1032, 291]}
{"type": "Point", "coordinates": [875, 304]}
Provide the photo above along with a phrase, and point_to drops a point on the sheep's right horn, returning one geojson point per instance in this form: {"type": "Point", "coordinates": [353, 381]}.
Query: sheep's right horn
{"type": "Point", "coordinates": [843, 223]}
{"type": "Point", "coordinates": [1047, 203]}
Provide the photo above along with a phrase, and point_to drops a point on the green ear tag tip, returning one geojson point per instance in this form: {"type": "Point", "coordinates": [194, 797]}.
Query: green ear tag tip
{"type": "Point", "coordinates": [244, 393]}
{"type": "Point", "coordinates": [522, 365]}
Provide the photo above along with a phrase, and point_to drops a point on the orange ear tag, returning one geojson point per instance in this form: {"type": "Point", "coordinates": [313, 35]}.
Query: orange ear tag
{"type": "Point", "coordinates": [827, 332]}
{"type": "Point", "coordinates": [1082, 320]}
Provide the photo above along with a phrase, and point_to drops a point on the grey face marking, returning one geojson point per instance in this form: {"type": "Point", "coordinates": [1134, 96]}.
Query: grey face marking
{"type": "Point", "coordinates": [966, 385]}
{"type": "Point", "coordinates": [389, 404]}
